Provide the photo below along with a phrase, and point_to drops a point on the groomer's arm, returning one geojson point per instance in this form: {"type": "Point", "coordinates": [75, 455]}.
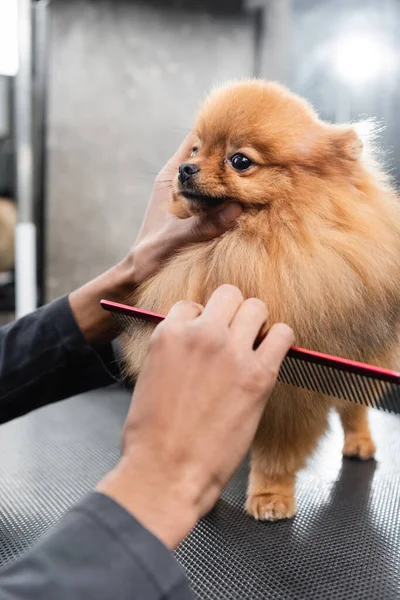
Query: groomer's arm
{"type": "Point", "coordinates": [195, 411]}
{"type": "Point", "coordinates": [65, 348]}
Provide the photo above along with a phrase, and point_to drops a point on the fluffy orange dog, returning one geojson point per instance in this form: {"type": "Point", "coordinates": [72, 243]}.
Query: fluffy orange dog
{"type": "Point", "coordinates": [318, 242]}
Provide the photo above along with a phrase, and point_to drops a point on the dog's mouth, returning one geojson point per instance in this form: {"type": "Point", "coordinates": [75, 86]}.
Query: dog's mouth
{"type": "Point", "coordinates": [203, 200]}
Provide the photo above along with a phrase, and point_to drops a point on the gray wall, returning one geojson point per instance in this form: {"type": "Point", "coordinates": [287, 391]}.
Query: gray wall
{"type": "Point", "coordinates": [125, 81]}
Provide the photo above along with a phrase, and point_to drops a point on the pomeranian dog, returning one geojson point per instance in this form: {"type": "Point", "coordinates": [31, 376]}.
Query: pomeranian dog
{"type": "Point", "coordinates": [318, 242]}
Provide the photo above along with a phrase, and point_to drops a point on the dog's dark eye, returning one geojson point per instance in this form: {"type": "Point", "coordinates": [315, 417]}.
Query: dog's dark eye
{"type": "Point", "coordinates": [240, 162]}
{"type": "Point", "coordinates": [194, 151]}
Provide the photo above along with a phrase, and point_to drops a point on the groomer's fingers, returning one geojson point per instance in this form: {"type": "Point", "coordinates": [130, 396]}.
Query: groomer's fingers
{"type": "Point", "coordinates": [248, 321]}
{"type": "Point", "coordinates": [222, 305]}
{"type": "Point", "coordinates": [275, 346]}
{"type": "Point", "coordinates": [184, 310]}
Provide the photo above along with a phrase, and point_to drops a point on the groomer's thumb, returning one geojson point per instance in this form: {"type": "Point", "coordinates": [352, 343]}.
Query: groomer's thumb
{"type": "Point", "coordinates": [212, 226]}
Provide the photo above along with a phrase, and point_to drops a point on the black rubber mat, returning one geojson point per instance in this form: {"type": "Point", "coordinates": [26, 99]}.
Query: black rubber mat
{"type": "Point", "coordinates": [343, 545]}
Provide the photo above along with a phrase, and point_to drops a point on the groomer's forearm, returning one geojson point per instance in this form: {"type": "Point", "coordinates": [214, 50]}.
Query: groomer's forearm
{"type": "Point", "coordinates": [63, 348]}
{"type": "Point", "coordinates": [96, 324]}
{"type": "Point", "coordinates": [117, 284]}
{"type": "Point", "coordinates": [45, 358]}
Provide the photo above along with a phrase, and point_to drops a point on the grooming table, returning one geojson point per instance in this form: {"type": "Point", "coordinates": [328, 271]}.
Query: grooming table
{"type": "Point", "coordinates": [343, 545]}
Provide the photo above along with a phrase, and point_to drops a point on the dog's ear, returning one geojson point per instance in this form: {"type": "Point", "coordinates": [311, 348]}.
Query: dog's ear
{"type": "Point", "coordinates": [347, 144]}
{"type": "Point", "coordinates": [328, 142]}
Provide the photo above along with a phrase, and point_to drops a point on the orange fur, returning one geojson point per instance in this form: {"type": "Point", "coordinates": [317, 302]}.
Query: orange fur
{"type": "Point", "coordinates": [318, 241]}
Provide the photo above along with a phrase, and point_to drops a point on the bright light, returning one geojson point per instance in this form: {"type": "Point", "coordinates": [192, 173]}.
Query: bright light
{"type": "Point", "coordinates": [8, 37]}
{"type": "Point", "coordinates": [366, 128]}
{"type": "Point", "coordinates": [361, 58]}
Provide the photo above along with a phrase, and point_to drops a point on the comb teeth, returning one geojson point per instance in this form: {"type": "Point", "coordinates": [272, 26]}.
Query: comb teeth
{"type": "Point", "coordinates": [344, 385]}
{"type": "Point", "coordinates": [128, 318]}
{"type": "Point", "coordinates": [329, 375]}
{"type": "Point", "coordinates": [127, 323]}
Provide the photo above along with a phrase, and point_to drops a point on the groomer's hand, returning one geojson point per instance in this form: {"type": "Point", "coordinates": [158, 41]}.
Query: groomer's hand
{"type": "Point", "coordinates": [160, 235]}
{"type": "Point", "coordinates": [195, 410]}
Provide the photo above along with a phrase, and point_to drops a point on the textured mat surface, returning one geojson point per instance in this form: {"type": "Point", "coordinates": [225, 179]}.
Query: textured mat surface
{"type": "Point", "coordinates": [343, 545]}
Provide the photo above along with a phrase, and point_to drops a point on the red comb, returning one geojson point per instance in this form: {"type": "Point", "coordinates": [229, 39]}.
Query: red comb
{"type": "Point", "coordinates": [338, 377]}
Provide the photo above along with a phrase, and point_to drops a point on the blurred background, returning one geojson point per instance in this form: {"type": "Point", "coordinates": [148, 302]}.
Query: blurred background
{"type": "Point", "coordinates": [95, 95]}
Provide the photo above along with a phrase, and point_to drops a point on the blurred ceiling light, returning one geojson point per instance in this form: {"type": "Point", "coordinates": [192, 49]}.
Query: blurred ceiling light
{"type": "Point", "coordinates": [361, 58]}
{"type": "Point", "coordinates": [8, 37]}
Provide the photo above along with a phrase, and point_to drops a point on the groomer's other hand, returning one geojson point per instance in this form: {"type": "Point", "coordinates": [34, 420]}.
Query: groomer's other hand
{"type": "Point", "coordinates": [195, 410]}
{"type": "Point", "coordinates": [160, 235]}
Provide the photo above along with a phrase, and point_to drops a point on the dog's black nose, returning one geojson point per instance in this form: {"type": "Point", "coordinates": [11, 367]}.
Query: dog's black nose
{"type": "Point", "coordinates": [186, 170]}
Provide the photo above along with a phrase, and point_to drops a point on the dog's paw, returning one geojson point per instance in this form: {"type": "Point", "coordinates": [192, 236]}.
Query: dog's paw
{"type": "Point", "coordinates": [271, 507]}
{"type": "Point", "coordinates": [359, 446]}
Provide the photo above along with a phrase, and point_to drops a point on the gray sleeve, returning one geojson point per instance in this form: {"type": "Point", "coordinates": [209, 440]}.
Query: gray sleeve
{"type": "Point", "coordinates": [98, 551]}
{"type": "Point", "coordinates": [45, 358]}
